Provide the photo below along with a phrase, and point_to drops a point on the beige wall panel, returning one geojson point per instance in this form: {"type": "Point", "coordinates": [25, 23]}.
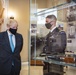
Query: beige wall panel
{"type": "Point", "coordinates": [51, 3]}
{"type": "Point", "coordinates": [62, 15]}
{"type": "Point", "coordinates": [40, 3]}
{"type": "Point", "coordinates": [21, 10]}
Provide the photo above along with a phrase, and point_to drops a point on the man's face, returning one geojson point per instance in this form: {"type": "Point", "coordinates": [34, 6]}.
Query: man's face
{"type": "Point", "coordinates": [49, 20]}
{"type": "Point", "coordinates": [13, 25]}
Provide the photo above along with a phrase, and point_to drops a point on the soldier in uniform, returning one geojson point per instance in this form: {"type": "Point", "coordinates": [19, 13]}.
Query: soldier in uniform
{"type": "Point", "coordinates": [56, 39]}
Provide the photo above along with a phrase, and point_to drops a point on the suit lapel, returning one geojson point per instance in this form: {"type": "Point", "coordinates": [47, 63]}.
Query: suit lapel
{"type": "Point", "coordinates": [7, 41]}
{"type": "Point", "coordinates": [52, 34]}
{"type": "Point", "coordinates": [55, 31]}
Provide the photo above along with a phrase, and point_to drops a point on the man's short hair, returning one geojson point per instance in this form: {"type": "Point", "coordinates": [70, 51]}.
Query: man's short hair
{"type": "Point", "coordinates": [11, 21]}
{"type": "Point", "coordinates": [52, 17]}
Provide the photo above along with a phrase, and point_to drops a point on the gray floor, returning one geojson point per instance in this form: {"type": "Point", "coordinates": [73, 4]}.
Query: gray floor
{"type": "Point", "coordinates": [67, 71]}
{"type": "Point", "coordinates": [70, 70]}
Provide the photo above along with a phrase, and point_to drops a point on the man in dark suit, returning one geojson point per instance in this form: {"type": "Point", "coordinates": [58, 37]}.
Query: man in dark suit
{"type": "Point", "coordinates": [11, 44]}
{"type": "Point", "coordinates": [55, 40]}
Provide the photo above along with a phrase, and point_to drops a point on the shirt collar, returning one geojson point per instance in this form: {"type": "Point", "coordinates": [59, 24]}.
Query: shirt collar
{"type": "Point", "coordinates": [9, 33]}
{"type": "Point", "coordinates": [52, 29]}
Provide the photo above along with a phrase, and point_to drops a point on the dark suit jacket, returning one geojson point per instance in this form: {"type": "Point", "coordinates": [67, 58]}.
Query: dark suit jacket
{"type": "Point", "coordinates": [55, 42]}
{"type": "Point", "coordinates": [6, 55]}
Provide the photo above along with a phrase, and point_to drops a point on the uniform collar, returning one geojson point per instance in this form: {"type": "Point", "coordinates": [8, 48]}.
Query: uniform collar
{"type": "Point", "coordinates": [53, 29]}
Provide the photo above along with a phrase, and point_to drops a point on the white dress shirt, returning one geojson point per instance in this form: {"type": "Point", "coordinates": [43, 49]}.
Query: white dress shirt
{"type": "Point", "coordinates": [13, 38]}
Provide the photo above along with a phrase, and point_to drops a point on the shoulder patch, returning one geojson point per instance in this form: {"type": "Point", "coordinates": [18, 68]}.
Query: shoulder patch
{"type": "Point", "coordinates": [62, 32]}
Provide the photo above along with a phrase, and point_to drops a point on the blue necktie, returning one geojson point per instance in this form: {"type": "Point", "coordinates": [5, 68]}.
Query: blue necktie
{"type": "Point", "coordinates": [11, 43]}
{"type": "Point", "coordinates": [12, 46]}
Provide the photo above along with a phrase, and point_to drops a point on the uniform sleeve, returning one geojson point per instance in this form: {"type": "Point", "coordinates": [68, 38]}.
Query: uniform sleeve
{"type": "Point", "coordinates": [63, 38]}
